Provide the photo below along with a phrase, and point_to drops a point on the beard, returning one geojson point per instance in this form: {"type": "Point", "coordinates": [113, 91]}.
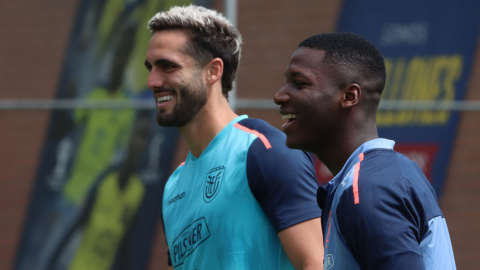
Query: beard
{"type": "Point", "coordinates": [192, 99]}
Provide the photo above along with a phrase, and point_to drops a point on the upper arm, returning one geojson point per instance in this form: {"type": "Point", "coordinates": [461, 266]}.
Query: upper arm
{"type": "Point", "coordinates": [283, 183]}
{"type": "Point", "coordinates": [303, 244]}
{"type": "Point", "coordinates": [382, 230]}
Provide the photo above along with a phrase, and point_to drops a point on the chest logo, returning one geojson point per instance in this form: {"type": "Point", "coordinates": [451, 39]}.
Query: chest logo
{"type": "Point", "coordinates": [328, 262]}
{"type": "Point", "coordinates": [213, 183]}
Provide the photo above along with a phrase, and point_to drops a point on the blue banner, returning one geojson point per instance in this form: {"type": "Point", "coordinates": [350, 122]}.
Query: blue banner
{"type": "Point", "coordinates": [428, 48]}
{"type": "Point", "coordinates": [97, 196]}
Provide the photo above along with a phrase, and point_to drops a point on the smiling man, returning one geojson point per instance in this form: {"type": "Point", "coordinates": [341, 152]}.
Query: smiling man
{"type": "Point", "coordinates": [241, 199]}
{"type": "Point", "coordinates": [379, 211]}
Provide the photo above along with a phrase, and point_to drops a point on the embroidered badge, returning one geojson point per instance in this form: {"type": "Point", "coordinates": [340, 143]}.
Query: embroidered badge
{"type": "Point", "coordinates": [213, 182]}
{"type": "Point", "coordinates": [328, 262]}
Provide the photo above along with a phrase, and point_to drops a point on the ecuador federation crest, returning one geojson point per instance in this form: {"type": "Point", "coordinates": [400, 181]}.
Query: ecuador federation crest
{"type": "Point", "coordinates": [213, 182]}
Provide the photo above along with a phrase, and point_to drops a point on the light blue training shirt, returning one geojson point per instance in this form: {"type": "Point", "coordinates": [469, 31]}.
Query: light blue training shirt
{"type": "Point", "coordinates": [223, 210]}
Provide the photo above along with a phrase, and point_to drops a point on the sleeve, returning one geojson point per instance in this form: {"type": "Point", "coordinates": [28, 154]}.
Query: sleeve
{"type": "Point", "coordinates": [383, 230]}
{"type": "Point", "coordinates": [283, 181]}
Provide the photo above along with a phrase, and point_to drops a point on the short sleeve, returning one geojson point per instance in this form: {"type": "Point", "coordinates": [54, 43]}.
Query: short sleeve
{"type": "Point", "coordinates": [384, 229]}
{"type": "Point", "coordinates": [282, 180]}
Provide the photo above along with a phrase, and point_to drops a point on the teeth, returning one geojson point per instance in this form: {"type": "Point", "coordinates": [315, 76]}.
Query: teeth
{"type": "Point", "coordinates": [165, 98]}
{"type": "Point", "coordinates": [289, 116]}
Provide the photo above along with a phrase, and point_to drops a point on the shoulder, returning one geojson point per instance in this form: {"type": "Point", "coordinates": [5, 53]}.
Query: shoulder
{"type": "Point", "coordinates": [179, 168]}
{"type": "Point", "coordinates": [282, 180]}
{"type": "Point", "coordinates": [377, 179]}
{"type": "Point", "coordinates": [380, 167]}
{"type": "Point", "coordinates": [391, 171]}
{"type": "Point", "coordinates": [270, 141]}
{"type": "Point", "coordinates": [175, 175]}
{"type": "Point", "coordinates": [387, 183]}
{"type": "Point", "coordinates": [269, 158]}
{"type": "Point", "coordinates": [389, 202]}
{"type": "Point", "coordinates": [260, 126]}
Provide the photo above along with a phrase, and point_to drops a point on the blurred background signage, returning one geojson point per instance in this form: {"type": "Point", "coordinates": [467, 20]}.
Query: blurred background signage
{"type": "Point", "coordinates": [97, 196]}
{"type": "Point", "coordinates": [428, 50]}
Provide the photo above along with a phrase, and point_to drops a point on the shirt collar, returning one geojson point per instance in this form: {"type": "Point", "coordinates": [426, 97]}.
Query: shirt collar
{"type": "Point", "coordinates": [218, 138]}
{"type": "Point", "coordinates": [353, 159]}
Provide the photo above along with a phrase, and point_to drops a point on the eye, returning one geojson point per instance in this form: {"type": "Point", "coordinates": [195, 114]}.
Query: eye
{"type": "Point", "coordinates": [168, 67]}
{"type": "Point", "coordinates": [149, 67]}
{"type": "Point", "coordinates": [299, 83]}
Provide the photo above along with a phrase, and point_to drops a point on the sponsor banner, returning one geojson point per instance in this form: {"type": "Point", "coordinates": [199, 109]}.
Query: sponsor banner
{"type": "Point", "coordinates": [428, 49]}
{"type": "Point", "coordinates": [188, 240]}
{"type": "Point", "coordinates": [97, 195]}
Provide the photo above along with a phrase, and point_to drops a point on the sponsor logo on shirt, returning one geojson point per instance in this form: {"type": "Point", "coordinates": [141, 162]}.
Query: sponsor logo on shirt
{"type": "Point", "coordinates": [328, 262]}
{"type": "Point", "coordinates": [176, 198]}
{"type": "Point", "coordinates": [188, 240]}
{"type": "Point", "coordinates": [213, 182]}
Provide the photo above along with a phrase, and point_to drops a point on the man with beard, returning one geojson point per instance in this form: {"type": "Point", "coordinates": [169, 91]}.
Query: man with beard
{"type": "Point", "coordinates": [241, 199]}
{"type": "Point", "coordinates": [379, 211]}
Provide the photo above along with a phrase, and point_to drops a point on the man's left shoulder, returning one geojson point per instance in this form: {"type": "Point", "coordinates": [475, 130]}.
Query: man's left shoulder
{"type": "Point", "coordinates": [386, 175]}
{"type": "Point", "coordinates": [387, 163]}
{"type": "Point", "coordinates": [282, 180]}
{"type": "Point", "coordinates": [269, 138]}
{"type": "Point", "coordinates": [277, 161]}
{"type": "Point", "coordinates": [262, 127]}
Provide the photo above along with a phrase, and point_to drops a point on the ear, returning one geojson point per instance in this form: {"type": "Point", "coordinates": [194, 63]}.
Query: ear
{"type": "Point", "coordinates": [351, 95]}
{"type": "Point", "coordinates": [214, 71]}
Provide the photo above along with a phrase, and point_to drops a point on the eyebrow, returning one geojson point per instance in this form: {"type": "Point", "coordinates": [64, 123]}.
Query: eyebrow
{"type": "Point", "coordinates": [296, 74]}
{"type": "Point", "coordinates": [162, 61]}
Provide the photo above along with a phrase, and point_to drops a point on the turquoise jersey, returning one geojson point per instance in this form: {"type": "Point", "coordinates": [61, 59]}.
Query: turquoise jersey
{"type": "Point", "coordinates": [224, 209]}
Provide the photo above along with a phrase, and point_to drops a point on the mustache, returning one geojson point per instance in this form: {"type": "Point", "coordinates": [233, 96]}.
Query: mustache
{"type": "Point", "coordinates": [164, 90]}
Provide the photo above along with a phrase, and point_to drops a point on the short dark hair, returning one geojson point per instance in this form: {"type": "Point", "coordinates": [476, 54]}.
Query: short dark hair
{"type": "Point", "coordinates": [211, 36]}
{"type": "Point", "coordinates": [355, 58]}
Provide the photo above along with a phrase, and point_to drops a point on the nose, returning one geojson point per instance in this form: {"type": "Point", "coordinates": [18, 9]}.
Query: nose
{"type": "Point", "coordinates": [281, 96]}
{"type": "Point", "coordinates": [155, 80]}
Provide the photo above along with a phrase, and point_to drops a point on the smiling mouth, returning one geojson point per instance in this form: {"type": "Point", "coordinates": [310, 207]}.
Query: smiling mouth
{"type": "Point", "coordinates": [290, 117]}
{"type": "Point", "coordinates": [164, 100]}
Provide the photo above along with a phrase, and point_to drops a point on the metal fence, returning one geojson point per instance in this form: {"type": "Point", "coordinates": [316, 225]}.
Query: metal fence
{"type": "Point", "coordinates": [241, 103]}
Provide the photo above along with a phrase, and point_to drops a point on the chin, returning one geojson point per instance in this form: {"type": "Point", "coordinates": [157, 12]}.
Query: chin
{"type": "Point", "coordinates": [164, 121]}
{"type": "Point", "coordinates": [297, 144]}
{"type": "Point", "coordinates": [291, 143]}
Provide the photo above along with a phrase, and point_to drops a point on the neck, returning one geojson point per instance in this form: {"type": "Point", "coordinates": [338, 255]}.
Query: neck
{"type": "Point", "coordinates": [210, 120]}
{"type": "Point", "coordinates": [341, 147]}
